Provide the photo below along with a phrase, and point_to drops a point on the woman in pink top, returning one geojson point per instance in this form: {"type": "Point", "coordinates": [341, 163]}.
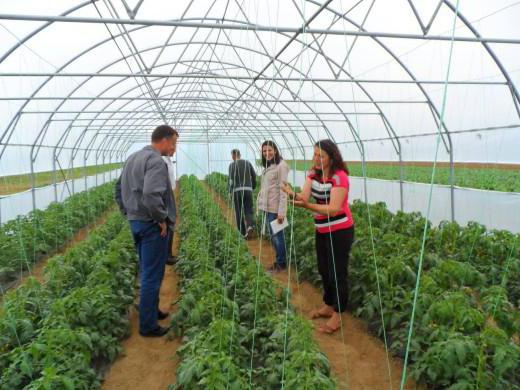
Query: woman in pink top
{"type": "Point", "coordinates": [328, 184]}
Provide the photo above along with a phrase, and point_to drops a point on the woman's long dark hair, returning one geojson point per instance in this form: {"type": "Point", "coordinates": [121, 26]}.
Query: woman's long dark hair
{"type": "Point", "coordinates": [277, 156]}
{"type": "Point", "coordinates": [336, 160]}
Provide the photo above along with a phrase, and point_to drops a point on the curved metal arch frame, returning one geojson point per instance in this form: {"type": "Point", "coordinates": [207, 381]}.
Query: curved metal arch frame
{"type": "Point", "coordinates": [432, 106]}
{"type": "Point", "coordinates": [114, 62]}
{"type": "Point", "coordinates": [289, 110]}
{"type": "Point", "coordinates": [385, 121]}
{"type": "Point", "coordinates": [115, 138]}
{"type": "Point", "coordinates": [261, 53]}
{"type": "Point", "coordinates": [288, 126]}
{"type": "Point", "coordinates": [123, 146]}
{"type": "Point", "coordinates": [217, 84]}
{"type": "Point", "coordinates": [181, 43]}
{"type": "Point", "coordinates": [140, 106]}
{"type": "Point", "coordinates": [144, 105]}
{"type": "Point", "coordinates": [350, 21]}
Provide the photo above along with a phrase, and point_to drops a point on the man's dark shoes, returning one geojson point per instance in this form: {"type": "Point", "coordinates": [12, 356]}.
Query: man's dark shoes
{"type": "Point", "coordinates": [171, 260]}
{"type": "Point", "coordinates": [161, 315]}
{"type": "Point", "coordinates": [249, 233]}
{"type": "Point", "coordinates": [276, 268]}
{"type": "Point", "coordinates": [157, 332]}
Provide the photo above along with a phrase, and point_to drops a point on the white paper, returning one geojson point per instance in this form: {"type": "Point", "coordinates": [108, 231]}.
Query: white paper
{"type": "Point", "coordinates": [277, 227]}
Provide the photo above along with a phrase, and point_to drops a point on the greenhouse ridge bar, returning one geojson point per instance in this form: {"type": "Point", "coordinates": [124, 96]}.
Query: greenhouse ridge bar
{"type": "Point", "coordinates": [281, 29]}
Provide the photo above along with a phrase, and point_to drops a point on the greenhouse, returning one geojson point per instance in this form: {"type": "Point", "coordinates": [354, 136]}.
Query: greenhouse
{"type": "Point", "coordinates": [229, 194]}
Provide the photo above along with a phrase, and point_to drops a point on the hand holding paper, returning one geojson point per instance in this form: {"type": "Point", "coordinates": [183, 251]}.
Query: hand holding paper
{"type": "Point", "coordinates": [277, 226]}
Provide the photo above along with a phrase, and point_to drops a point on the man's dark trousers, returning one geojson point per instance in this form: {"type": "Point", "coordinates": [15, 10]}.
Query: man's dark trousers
{"type": "Point", "coordinates": [243, 204]}
{"type": "Point", "coordinates": [153, 253]}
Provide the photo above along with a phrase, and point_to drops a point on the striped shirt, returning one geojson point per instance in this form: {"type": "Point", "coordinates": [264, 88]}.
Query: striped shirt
{"type": "Point", "coordinates": [320, 191]}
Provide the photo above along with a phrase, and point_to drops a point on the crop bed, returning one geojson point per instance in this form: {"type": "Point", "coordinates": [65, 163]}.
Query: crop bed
{"type": "Point", "coordinates": [62, 333]}
{"type": "Point", "coordinates": [27, 239]}
{"type": "Point", "coordinates": [239, 330]}
{"type": "Point", "coordinates": [467, 322]}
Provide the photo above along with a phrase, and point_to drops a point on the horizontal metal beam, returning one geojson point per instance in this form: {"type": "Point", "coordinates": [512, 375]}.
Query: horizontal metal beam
{"type": "Point", "coordinates": [249, 27]}
{"type": "Point", "coordinates": [159, 76]}
{"type": "Point", "coordinates": [197, 99]}
{"type": "Point", "coordinates": [228, 137]}
{"type": "Point", "coordinates": [137, 111]}
{"type": "Point", "coordinates": [224, 140]}
{"type": "Point", "coordinates": [431, 134]}
{"type": "Point", "coordinates": [192, 128]}
{"type": "Point", "coordinates": [50, 147]}
{"type": "Point", "coordinates": [234, 118]}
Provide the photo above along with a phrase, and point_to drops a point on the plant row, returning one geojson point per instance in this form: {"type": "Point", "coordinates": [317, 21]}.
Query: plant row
{"type": "Point", "coordinates": [26, 239]}
{"type": "Point", "coordinates": [467, 322]}
{"type": "Point", "coordinates": [238, 327]}
{"type": "Point", "coordinates": [61, 333]}
{"type": "Point", "coordinates": [465, 319]}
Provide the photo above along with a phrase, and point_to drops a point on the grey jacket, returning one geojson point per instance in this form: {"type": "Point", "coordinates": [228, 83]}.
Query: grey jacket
{"type": "Point", "coordinates": [271, 198]}
{"type": "Point", "coordinates": [143, 191]}
{"type": "Point", "coordinates": [242, 176]}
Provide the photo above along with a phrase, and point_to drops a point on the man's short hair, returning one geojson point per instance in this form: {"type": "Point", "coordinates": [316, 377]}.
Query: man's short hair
{"type": "Point", "coordinates": [235, 152]}
{"type": "Point", "coordinates": [163, 131]}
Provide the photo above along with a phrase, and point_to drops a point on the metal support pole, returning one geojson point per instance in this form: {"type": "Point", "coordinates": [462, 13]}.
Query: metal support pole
{"type": "Point", "coordinates": [452, 184]}
{"type": "Point", "coordinates": [401, 184]}
{"type": "Point", "coordinates": [85, 169]}
{"type": "Point", "coordinates": [97, 170]}
{"type": "Point", "coordinates": [104, 172]}
{"type": "Point", "coordinates": [33, 183]}
{"type": "Point", "coordinates": [71, 169]}
{"type": "Point", "coordinates": [207, 143]}
{"type": "Point", "coordinates": [110, 162]}
{"type": "Point", "coordinates": [54, 178]}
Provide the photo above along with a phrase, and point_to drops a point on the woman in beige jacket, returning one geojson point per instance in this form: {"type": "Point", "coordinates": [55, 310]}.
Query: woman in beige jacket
{"type": "Point", "coordinates": [272, 200]}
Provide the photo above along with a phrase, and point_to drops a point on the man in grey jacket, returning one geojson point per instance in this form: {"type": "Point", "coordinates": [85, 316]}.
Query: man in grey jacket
{"type": "Point", "coordinates": [242, 182]}
{"type": "Point", "coordinates": [144, 196]}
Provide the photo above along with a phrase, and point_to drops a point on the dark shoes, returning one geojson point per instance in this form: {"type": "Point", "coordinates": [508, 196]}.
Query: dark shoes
{"type": "Point", "coordinates": [171, 260]}
{"type": "Point", "coordinates": [276, 268]}
{"type": "Point", "coordinates": [249, 233]}
{"type": "Point", "coordinates": [161, 315]}
{"type": "Point", "coordinates": [157, 332]}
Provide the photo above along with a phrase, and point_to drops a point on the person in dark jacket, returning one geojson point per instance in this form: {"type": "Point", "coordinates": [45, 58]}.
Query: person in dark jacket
{"type": "Point", "coordinates": [242, 182]}
{"type": "Point", "coordinates": [143, 194]}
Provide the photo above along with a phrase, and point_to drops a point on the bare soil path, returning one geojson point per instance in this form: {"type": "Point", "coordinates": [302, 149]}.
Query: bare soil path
{"type": "Point", "coordinates": [148, 363]}
{"type": "Point", "coordinates": [358, 359]}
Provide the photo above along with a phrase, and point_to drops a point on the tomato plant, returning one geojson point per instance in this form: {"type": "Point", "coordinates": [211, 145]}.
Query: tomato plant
{"type": "Point", "coordinates": [231, 314]}
{"type": "Point", "coordinates": [26, 239]}
{"type": "Point", "coordinates": [57, 333]}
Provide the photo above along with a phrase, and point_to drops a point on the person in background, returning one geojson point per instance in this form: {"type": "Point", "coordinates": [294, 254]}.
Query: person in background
{"type": "Point", "coordinates": [171, 174]}
{"type": "Point", "coordinates": [143, 194]}
{"type": "Point", "coordinates": [328, 184]}
{"type": "Point", "coordinates": [242, 182]}
{"type": "Point", "coordinates": [272, 200]}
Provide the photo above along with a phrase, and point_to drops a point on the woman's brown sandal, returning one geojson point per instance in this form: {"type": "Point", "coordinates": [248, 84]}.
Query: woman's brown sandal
{"type": "Point", "coordinates": [318, 313]}
{"type": "Point", "coordinates": [328, 329]}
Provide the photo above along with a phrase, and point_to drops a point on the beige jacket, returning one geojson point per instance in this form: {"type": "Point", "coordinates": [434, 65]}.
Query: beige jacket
{"type": "Point", "coordinates": [271, 198]}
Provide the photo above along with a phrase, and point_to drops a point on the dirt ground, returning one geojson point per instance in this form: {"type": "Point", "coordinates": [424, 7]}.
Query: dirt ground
{"type": "Point", "coordinates": [358, 360]}
{"type": "Point", "coordinates": [148, 363]}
